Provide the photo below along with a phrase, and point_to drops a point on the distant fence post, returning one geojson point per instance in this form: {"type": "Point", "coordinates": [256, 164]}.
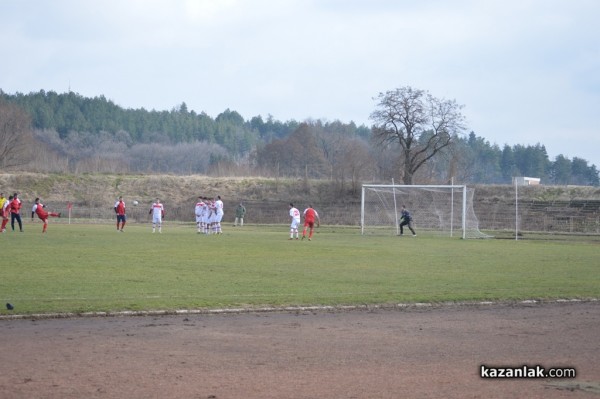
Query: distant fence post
{"type": "Point", "coordinates": [69, 207]}
{"type": "Point", "coordinates": [516, 210]}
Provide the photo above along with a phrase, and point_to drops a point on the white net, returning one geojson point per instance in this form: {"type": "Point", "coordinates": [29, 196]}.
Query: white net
{"type": "Point", "coordinates": [444, 210]}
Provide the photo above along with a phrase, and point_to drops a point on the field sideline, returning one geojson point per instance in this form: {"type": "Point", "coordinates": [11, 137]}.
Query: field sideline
{"type": "Point", "coordinates": [92, 268]}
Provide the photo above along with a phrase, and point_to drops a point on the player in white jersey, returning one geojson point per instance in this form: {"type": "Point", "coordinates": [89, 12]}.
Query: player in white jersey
{"type": "Point", "coordinates": [158, 212]}
{"type": "Point", "coordinates": [210, 216]}
{"type": "Point", "coordinates": [295, 216]}
{"type": "Point", "coordinates": [218, 215]}
{"type": "Point", "coordinates": [199, 211]}
{"type": "Point", "coordinates": [205, 215]}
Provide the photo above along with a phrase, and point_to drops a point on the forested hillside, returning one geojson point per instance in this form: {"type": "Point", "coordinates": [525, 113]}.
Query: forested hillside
{"type": "Point", "coordinates": [75, 134]}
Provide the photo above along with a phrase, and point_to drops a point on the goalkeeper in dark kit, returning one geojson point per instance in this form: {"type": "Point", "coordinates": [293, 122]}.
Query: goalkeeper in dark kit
{"type": "Point", "coordinates": [406, 220]}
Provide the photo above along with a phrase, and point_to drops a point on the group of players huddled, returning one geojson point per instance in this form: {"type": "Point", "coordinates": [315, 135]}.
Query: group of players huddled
{"type": "Point", "coordinates": [209, 214]}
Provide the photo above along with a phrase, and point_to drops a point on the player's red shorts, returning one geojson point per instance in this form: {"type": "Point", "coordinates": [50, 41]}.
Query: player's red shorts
{"type": "Point", "coordinates": [309, 223]}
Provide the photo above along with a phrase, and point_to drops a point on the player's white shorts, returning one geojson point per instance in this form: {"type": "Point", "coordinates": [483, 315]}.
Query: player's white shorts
{"type": "Point", "coordinates": [295, 224]}
{"type": "Point", "coordinates": [156, 220]}
{"type": "Point", "coordinates": [218, 217]}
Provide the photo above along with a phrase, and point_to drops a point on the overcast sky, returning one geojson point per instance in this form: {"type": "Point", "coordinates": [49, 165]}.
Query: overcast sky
{"type": "Point", "coordinates": [527, 71]}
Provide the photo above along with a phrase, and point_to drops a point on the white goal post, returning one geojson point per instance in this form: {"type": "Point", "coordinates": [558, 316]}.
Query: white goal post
{"type": "Point", "coordinates": [439, 209]}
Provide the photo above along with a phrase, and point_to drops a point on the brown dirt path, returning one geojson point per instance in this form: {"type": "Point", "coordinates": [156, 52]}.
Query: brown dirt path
{"type": "Point", "coordinates": [427, 352]}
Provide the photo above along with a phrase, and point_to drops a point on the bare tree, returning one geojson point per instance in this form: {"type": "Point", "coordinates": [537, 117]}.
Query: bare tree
{"type": "Point", "coordinates": [15, 136]}
{"type": "Point", "coordinates": [421, 124]}
{"type": "Point", "coordinates": [307, 157]}
{"type": "Point", "coordinates": [357, 163]}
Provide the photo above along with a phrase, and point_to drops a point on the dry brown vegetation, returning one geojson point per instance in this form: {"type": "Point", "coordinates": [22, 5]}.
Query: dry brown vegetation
{"type": "Point", "coordinates": [267, 198]}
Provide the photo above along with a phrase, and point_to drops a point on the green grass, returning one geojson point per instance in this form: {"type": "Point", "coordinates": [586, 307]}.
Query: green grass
{"type": "Point", "coordinates": [93, 268]}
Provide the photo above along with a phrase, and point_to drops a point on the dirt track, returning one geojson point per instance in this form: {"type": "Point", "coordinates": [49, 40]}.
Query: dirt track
{"type": "Point", "coordinates": [401, 353]}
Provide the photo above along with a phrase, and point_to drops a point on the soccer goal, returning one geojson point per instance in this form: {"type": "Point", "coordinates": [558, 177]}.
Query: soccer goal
{"type": "Point", "coordinates": [440, 209]}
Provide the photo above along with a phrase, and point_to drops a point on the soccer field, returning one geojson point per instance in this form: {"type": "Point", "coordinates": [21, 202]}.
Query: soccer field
{"type": "Point", "coordinates": [93, 268]}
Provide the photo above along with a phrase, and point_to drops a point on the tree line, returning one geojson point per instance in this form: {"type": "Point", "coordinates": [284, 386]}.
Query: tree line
{"type": "Point", "coordinates": [71, 133]}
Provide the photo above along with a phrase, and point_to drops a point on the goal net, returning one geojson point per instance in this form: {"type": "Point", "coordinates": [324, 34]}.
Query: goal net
{"type": "Point", "coordinates": [436, 209]}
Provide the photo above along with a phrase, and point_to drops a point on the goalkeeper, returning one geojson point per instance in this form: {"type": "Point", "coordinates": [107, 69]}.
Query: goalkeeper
{"type": "Point", "coordinates": [406, 220]}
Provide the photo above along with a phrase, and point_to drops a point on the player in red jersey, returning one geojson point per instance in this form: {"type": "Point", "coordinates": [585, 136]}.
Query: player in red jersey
{"type": "Point", "coordinates": [120, 211]}
{"type": "Point", "coordinates": [15, 212]}
{"type": "Point", "coordinates": [310, 217]}
{"type": "Point", "coordinates": [38, 208]}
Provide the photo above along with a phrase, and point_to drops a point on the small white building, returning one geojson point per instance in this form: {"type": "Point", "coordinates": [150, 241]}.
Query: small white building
{"type": "Point", "coordinates": [526, 181]}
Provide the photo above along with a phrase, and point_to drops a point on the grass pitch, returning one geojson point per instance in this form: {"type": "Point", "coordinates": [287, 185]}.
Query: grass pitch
{"type": "Point", "coordinates": [93, 268]}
